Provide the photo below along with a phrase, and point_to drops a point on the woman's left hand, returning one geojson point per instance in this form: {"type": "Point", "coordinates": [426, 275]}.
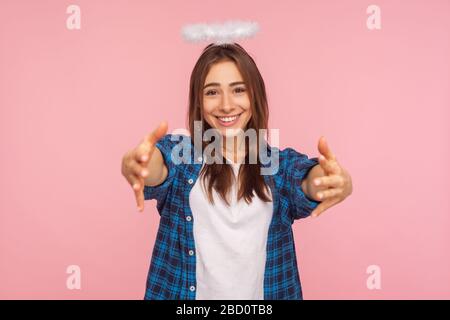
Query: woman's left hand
{"type": "Point", "coordinates": [332, 184]}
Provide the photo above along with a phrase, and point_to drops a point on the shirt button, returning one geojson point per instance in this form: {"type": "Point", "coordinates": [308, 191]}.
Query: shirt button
{"type": "Point", "coordinates": [191, 252]}
{"type": "Point", "coordinates": [188, 218]}
{"type": "Point", "coordinates": [199, 158]}
{"type": "Point", "coordinates": [192, 288]}
{"type": "Point", "coordinates": [190, 181]}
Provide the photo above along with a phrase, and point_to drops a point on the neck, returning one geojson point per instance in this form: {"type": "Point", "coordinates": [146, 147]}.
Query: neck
{"type": "Point", "coordinates": [234, 148]}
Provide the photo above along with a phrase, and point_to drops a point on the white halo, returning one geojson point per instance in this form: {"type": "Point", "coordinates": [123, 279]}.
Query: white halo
{"type": "Point", "coordinates": [227, 32]}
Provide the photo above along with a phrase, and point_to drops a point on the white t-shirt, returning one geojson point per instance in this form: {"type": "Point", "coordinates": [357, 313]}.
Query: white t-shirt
{"type": "Point", "coordinates": [230, 244]}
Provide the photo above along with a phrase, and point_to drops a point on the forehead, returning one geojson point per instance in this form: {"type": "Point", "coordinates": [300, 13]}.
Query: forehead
{"type": "Point", "coordinates": [224, 71]}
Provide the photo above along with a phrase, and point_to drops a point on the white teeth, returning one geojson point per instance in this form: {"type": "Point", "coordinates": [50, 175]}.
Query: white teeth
{"type": "Point", "coordinates": [228, 119]}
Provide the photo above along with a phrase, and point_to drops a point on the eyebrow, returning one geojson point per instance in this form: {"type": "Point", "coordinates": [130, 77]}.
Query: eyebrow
{"type": "Point", "coordinates": [211, 84]}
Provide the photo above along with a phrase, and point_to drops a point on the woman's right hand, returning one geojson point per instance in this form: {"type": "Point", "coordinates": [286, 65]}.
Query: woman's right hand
{"type": "Point", "coordinates": [136, 163]}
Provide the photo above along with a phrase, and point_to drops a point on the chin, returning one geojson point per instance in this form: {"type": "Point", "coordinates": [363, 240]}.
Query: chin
{"type": "Point", "coordinates": [231, 132]}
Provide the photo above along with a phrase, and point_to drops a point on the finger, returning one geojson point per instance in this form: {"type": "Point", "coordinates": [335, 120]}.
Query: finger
{"type": "Point", "coordinates": [325, 149]}
{"type": "Point", "coordinates": [137, 183]}
{"type": "Point", "coordinates": [133, 181]}
{"type": "Point", "coordinates": [329, 166]}
{"type": "Point", "coordinates": [138, 169]}
{"type": "Point", "coordinates": [143, 151]}
{"type": "Point", "coordinates": [139, 195]}
{"type": "Point", "coordinates": [329, 193]}
{"type": "Point", "coordinates": [333, 181]}
{"type": "Point", "coordinates": [324, 206]}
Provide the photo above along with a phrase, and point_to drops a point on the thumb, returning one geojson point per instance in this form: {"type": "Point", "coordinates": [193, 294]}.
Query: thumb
{"type": "Point", "coordinates": [325, 150]}
{"type": "Point", "coordinates": [145, 149]}
{"type": "Point", "coordinates": [158, 133]}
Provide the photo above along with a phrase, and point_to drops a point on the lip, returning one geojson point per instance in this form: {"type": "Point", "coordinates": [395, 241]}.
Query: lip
{"type": "Point", "coordinates": [229, 124]}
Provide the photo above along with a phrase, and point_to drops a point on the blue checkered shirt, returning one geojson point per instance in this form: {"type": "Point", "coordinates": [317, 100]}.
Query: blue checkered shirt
{"type": "Point", "coordinates": [172, 273]}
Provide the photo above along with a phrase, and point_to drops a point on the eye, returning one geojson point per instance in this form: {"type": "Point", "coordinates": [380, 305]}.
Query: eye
{"type": "Point", "coordinates": [208, 93]}
{"type": "Point", "coordinates": [240, 89]}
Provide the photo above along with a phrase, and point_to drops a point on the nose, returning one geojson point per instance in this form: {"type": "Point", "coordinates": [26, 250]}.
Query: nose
{"type": "Point", "coordinates": [227, 104]}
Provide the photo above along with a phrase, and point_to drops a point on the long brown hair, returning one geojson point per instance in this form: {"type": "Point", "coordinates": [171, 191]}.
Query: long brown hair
{"type": "Point", "coordinates": [220, 176]}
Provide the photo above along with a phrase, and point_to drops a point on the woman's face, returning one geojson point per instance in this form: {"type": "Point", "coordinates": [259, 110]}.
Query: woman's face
{"type": "Point", "coordinates": [226, 103]}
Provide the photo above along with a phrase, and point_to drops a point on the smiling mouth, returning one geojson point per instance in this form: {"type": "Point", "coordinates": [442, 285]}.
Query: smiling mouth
{"type": "Point", "coordinates": [229, 119]}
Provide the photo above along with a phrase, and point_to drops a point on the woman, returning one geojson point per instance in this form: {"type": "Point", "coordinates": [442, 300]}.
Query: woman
{"type": "Point", "coordinates": [225, 228]}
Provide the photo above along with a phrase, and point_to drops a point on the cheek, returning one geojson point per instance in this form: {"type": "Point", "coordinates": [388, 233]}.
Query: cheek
{"type": "Point", "coordinates": [207, 110]}
{"type": "Point", "coordinates": [248, 113]}
{"type": "Point", "coordinates": [248, 109]}
{"type": "Point", "coordinates": [209, 118]}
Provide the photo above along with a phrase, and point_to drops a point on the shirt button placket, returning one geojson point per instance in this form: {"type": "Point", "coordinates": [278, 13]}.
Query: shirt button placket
{"type": "Point", "coordinates": [189, 218]}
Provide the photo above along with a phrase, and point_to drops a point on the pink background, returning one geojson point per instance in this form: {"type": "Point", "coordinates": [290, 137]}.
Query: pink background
{"type": "Point", "coordinates": [73, 101]}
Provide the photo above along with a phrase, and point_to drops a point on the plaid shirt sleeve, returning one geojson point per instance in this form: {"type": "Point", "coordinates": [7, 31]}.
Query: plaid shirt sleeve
{"type": "Point", "coordinates": [298, 166]}
{"type": "Point", "coordinates": [160, 192]}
